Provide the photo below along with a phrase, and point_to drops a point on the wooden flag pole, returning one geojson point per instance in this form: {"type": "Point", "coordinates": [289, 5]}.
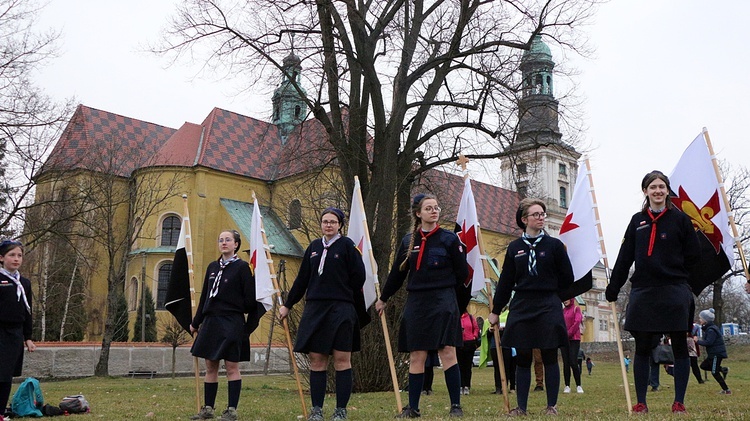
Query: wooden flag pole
{"type": "Point", "coordinates": [620, 351]}
{"type": "Point", "coordinates": [720, 180]}
{"type": "Point", "coordinates": [386, 335]}
{"type": "Point", "coordinates": [191, 277]}
{"type": "Point", "coordinates": [285, 322]}
{"type": "Point", "coordinates": [462, 161]}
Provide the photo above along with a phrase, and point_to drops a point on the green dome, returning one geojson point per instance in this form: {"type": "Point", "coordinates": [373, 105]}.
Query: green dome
{"type": "Point", "coordinates": [538, 51]}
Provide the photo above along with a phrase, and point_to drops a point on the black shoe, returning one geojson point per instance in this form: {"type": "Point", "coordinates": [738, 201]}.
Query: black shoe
{"type": "Point", "coordinates": [456, 411]}
{"type": "Point", "coordinates": [539, 389]}
{"type": "Point", "coordinates": [655, 389]}
{"type": "Point", "coordinates": [408, 412]}
{"type": "Point", "coordinates": [497, 391]}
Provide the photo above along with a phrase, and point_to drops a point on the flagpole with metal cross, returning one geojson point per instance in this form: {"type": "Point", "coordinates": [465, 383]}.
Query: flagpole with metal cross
{"type": "Point", "coordinates": [285, 322]}
{"type": "Point", "coordinates": [730, 214]}
{"type": "Point", "coordinates": [357, 195]}
{"type": "Point", "coordinates": [462, 162]}
{"type": "Point", "coordinates": [613, 305]}
{"type": "Point", "coordinates": [191, 277]}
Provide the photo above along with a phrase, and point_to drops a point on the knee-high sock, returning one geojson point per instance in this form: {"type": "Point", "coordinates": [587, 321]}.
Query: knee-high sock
{"type": "Point", "coordinates": [453, 382]}
{"type": "Point", "coordinates": [209, 394]}
{"type": "Point", "coordinates": [523, 384]}
{"type": "Point", "coordinates": [681, 378]}
{"type": "Point", "coordinates": [344, 380]}
{"type": "Point", "coordinates": [318, 381]}
{"type": "Point", "coordinates": [235, 387]}
{"type": "Point", "coordinates": [552, 382]}
{"type": "Point", "coordinates": [415, 389]}
{"type": "Point", "coordinates": [4, 395]}
{"type": "Point", "coordinates": [641, 369]}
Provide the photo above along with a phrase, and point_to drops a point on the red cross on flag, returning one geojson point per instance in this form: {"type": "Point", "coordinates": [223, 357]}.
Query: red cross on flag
{"type": "Point", "coordinates": [469, 234]}
{"type": "Point", "coordinates": [580, 234]}
{"type": "Point", "coordinates": [696, 191]}
{"type": "Point", "coordinates": [263, 283]}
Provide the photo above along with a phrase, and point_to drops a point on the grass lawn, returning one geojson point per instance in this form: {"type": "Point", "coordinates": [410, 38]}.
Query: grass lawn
{"type": "Point", "coordinates": [275, 397]}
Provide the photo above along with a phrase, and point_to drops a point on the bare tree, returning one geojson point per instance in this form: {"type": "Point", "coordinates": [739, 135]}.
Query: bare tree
{"type": "Point", "coordinates": [174, 335]}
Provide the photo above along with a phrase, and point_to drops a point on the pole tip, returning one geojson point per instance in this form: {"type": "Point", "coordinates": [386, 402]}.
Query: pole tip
{"type": "Point", "coordinates": [184, 196]}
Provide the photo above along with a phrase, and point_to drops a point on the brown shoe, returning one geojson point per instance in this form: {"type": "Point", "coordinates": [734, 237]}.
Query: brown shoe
{"type": "Point", "coordinates": [517, 412]}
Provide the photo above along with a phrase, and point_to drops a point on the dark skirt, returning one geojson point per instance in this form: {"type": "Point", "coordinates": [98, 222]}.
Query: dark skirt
{"type": "Point", "coordinates": [222, 338]}
{"type": "Point", "coordinates": [535, 322]}
{"type": "Point", "coordinates": [660, 309]}
{"type": "Point", "coordinates": [431, 321]}
{"type": "Point", "coordinates": [328, 325]}
{"type": "Point", "coordinates": [11, 352]}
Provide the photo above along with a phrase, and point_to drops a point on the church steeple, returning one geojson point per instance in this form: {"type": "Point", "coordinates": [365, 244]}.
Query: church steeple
{"type": "Point", "coordinates": [538, 108]}
{"type": "Point", "coordinates": [289, 108]}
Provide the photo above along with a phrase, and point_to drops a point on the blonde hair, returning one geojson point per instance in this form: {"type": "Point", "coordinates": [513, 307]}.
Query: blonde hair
{"type": "Point", "coordinates": [416, 206]}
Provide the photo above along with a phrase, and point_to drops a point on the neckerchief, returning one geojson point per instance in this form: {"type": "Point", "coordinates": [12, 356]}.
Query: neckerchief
{"type": "Point", "coordinates": [326, 244]}
{"type": "Point", "coordinates": [222, 264]}
{"type": "Point", "coordinates": [653, 227]}
{"type": "Point", "coordinates": [424, 242]}
{"type": "Point", "coordinates": [532, 250]}
{"type": "Point", "coordinates": [20, 292]}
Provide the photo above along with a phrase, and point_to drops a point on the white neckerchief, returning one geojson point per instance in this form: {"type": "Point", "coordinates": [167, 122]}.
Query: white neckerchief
{"type": "Point", "coordinates": [222, 264]}
{"type": "Point", "coordinates": [20, 292]}
{"type": "Point", "coordinates": [326, 244]}
{"type": "Point", "coordinates": [532, 250]}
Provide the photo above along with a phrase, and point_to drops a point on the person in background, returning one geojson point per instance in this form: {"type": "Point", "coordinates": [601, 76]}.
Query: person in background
{"type": "Point", "coordinates": [537, 269]}
{"type": "Point", "coordinates": [465, 353]}
{"type": "Point", "coordinates": [434, 261]}
{"type": "Point", "coordinates": [716, 351]}
{"type": "Point", "coordinates": [538, 370]}
{"type": "Point", "coordinates": [573, 318]}
{"type": "Point", "coordinates": [694, 353]}
{"type": "Point", "coordinates": [626, 361]}
{"type": "Point", "coordinates": [430, 363]}
{"type": "Point", "coordinates": [581, 359]}
{"type": "Point", "coordinates": [228, 291]}
{"type": "Point", "coordinates": [662, 243]}
{"type": "Point", "coordinates": [330, 278]}
{"type": "Point", "coordinates": [15, 317]}
{"type": "Point", "coordinates": [589, 364]}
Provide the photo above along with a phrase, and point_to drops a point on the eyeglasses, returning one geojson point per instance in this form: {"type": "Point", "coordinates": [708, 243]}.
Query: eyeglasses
{"type": "Point", "coordinates": [226, 240]}
{"type": "Point", "coordinates": [538, 215]}
{"type": "Point", "coordinates": [325, 222]}
{"type": "Point", "coordinates": [430, 209]}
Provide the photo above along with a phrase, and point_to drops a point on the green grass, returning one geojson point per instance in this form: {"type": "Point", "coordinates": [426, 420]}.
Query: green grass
{"type": "Point", "coordinates": [276, 398]}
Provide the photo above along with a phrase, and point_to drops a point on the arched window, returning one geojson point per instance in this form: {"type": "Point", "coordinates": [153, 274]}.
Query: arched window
{"type": "Point", "coordinates": [170, 230]}
{"type": "Point", "coordinates": [133, 294]}
{"type": "Point", "coordinates": [295, 214]}
{"type": "Point", "coordinates": [297, 111]}
{"type": "Point", "coordinates": [161, 293]}
{"type": "Point", "coordinates": [563, 197]}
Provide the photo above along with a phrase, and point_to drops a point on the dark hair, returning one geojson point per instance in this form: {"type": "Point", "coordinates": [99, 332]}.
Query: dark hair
{"type": "Point", "coordinates": [523, 210]}
{"type": "Point", "coordinates": [648, 179]}
{"type": "Point", "coordinates": [416, 206]}
{"type": "Point", "coordinates": [8, 245]}
{"type": "Point", "coordinates": [237, 238]}
{"type": "Point", "coordinates": [338, 213]}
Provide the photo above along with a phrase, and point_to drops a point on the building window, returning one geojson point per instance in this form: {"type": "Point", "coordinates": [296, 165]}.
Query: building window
{"type": "Point", "coordinates": [161, 292]}
{"type": "Point", "coordinates": [522, 169]}
{"type": "Point", "coordinates": [563, 197]}
{"type": "Point", "coordinates": [295, 214]}
{"type": "Point", "coordinates": [523, 190]}
{"type": "Point", "coordinates": [170, 231]}
{"type": "Point", "coordinates": [563, 169]}
{"type": "Point", "coordinates": [133, 294]}
{"type": "Point", "coordinates": [297, 111]}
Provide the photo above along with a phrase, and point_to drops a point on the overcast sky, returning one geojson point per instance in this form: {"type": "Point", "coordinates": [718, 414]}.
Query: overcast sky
{"type": "Point", "coordinates": [661, 72]}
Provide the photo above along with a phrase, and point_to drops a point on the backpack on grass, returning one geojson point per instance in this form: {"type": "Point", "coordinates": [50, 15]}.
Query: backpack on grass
{"type": "Point", "coordinates": [75, 404]}
{"type": "Point", "coordinates": [28, 399]}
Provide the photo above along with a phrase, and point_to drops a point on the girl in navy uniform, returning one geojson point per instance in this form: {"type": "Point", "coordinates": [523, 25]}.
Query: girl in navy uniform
{"type": "Point", "coordinates": [434, 261]}
{"type": "Point", "coordinates": [661, 241]}
{"type": "Point", "coordinates": [228, 293]}
{"type": "Point", "coordinates": [330, 278]}
{"type": "Point", "coordinates": [15, 317]}
{"type": "Point", "coordinates": [538, 269]}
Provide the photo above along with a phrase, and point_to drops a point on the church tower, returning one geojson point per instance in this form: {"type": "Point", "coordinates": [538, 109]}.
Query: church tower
{"type": "Point", "coordinates": [539, 163]}
{"type": "Point", "coordinates": [289, 107]}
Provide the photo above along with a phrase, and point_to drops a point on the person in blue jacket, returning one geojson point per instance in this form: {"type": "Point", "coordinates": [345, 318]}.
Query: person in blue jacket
{"type": "Point", "coordinates": [715, 349]}
{"type": "Point", "coordinates": [434, 261]}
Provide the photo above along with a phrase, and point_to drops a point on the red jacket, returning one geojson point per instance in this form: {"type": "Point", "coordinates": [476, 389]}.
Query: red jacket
{"type": "Point", "coordinates": [470, 327]}
{"type": "Point", "coordinates": [573, 318]}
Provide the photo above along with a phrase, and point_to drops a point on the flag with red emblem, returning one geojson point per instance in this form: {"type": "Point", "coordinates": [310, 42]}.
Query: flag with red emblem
{"type": "Point", "coordinates": [697, 193]}
{"type": "Point", "coordinates": [580, 235]}
{"type": "Point", "coordinates": [359, 235]}
{"type": "Point", "coordinates": [468, 222]}
{"type": "Point", "coordinates": [258, 262]}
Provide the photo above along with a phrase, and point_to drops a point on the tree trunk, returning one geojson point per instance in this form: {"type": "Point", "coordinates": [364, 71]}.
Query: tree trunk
{"type": "Point", "coordinates": [718, 302]}
{"type": "Point", "coordinates": [43, 292]}
{"type": "Point", "coordinates": [67, 299]}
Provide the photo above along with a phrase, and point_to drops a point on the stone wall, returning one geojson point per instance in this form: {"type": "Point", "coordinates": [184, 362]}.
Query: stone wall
{"type": "Point", "coordinates": [79, 360]}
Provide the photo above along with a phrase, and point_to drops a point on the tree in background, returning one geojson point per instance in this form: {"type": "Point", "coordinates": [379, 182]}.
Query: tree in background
{"type": "Point", "coordinates": [174, 335]}
{"type": "Point", "coordinates": [149, 333]}
{"type": "Point", "coordinates": [120, 332]}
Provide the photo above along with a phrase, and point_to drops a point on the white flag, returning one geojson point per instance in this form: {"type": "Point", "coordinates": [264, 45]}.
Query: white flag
{"type": "Point", "coordinates": [357, 232]}
{"type": "Point", "coordinates": [578, 231]}
{"type": "Point", "coordinates": [263, 283]}
{"type": "Point", "coordinates": [469, 223]}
